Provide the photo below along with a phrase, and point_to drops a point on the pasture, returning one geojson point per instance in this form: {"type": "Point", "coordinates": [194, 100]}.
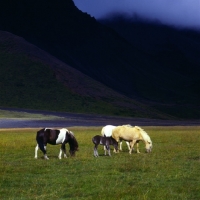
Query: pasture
{"type": "Point", "coordinates": [171, 171]}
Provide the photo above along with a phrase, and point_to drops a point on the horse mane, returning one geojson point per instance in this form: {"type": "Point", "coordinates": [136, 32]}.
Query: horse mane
{"type": "Point", "coordinates": [127, 125]}
{"type": "Point", "coordinates": [72, 140]}
{"type": "Point", "coordinates": [64, 129]}
{"type": "Point", "coordinates": [144, 134]}
{"type": "Point", "coordinates": [70, 132]}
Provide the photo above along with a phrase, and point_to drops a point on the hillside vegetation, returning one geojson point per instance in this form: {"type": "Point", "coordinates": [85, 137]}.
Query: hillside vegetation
{"type": "Point", "coordinates": [31, 78]}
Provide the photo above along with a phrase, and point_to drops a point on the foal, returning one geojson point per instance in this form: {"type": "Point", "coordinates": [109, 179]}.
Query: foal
{"type": "Point", "coordinates": [106, 141]}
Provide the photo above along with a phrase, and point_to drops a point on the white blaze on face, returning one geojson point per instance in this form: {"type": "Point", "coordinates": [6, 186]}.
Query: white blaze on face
{"type": "Point", "coordinates": [61, 136]}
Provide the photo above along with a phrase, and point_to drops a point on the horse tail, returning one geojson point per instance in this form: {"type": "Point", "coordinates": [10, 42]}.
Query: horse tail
{"type": "Point", "coordinates": [107, 130]}
{"type": "Point", "coordinates": [102, 131]}
{"type": "Point", "coordinates": [39, 139]}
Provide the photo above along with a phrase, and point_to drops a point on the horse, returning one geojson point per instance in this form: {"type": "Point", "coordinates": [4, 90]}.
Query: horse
{"type": "Point", "coordinates": [107, 132]}
{"type": "Point", "coordinates": [54, 137]}
{"type": "Point", "coordinates": [133, 135]}
{"type": "Point", "coordinates": [107, 141]}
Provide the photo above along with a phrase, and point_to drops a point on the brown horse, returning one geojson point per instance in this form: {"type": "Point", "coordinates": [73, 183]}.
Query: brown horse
{"type": "Point", "coordinates": [54, 137]}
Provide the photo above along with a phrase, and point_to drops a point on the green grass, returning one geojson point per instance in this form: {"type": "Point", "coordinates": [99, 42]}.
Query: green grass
{"type": "Point", "coordinates": [27, 83]}
{"type": "Point", "coordinates": [5, 114]}
{"type": "Point", "coordinates": [171, 171]}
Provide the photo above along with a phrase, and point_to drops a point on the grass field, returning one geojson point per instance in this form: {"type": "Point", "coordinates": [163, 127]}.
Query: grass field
{"type": "Point", "coordinates": [170, 172]}
{"type": "Point", "coordinates": [4, 114]}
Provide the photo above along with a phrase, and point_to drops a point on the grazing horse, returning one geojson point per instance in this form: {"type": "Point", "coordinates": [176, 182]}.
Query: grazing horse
{"type": "Point", "coordinates": [107, 141]}
{"type": "Point", "coordinates": [133, 135]}
{"type": "Point", "coordinates": [54, 137]}
{"type": "Point", "coordinates": [107, 132]}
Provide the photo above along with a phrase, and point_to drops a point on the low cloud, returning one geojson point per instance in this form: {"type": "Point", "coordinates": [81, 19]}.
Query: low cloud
{"type": "Point", "coordinates": [185, 13]}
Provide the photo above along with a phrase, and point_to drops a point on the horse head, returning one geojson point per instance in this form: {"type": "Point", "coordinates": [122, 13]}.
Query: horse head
{"type": "Point", "coordinates": [115, 144]}
{"type": "Point", "coordinates": [146, 139]}
{"type": "Point", "coordinates": [148, 146]}
{"type": "Point", "coordinates": [72, 143]}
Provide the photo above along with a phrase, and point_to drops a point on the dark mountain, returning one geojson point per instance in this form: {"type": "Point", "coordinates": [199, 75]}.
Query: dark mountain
{"type": "Point", "coordinates": [157, 67]}
{"type": "Point", "coordinates": [177, 54]}
{"type": "Point", "coordinates": [32, 78]}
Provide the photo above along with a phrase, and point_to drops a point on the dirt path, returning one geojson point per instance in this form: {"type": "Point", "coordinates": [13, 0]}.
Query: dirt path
{"type": "Point", "coordinates": [74, 119]}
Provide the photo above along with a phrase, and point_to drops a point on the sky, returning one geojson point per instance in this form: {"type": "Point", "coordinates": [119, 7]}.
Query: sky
{"type": "Point", "coordinates": [182, 13]}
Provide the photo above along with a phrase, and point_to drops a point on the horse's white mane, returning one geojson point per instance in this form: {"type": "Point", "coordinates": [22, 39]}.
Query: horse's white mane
{"type": "Point", "coordinates": [64, 129]}
{"type": "Point", "coordinates": [127, 125]}
{"type": "Point", "coordinates": [70, 132]}
{"type": "Point", "coordinates": [144, 134]}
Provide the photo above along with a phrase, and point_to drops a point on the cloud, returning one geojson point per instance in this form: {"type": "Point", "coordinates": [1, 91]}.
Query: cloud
{"type": "Point", "coordinates": [184, 13]}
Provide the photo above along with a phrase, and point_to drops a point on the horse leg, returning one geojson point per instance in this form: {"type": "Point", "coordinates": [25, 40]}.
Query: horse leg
{"type": "Point", "coordinates": [45, 154]}
{"type": "Point", "coordinates": [120, 145]}
{"type": "Point", "coordinates": [128, 145]}
{"type": "Point", "coordinates": [60, 154]}
{"type": "Point", "coordinates": [62, 149]}
{"type": "Point", "coordinates": [95, 151]}
{"type": "Point", "coordinates": [41, 143]}
{"type": "Point", "coordinates": [43, 147]}
{"type": "Point", "coordinates": [131, 146]}
{"type": "Point", "coordinates": [137, 143]}
{"type": "Point", "coordinates": [36, 150]}
{"type": "Point", "coordinates": [104, 147]}
{"type": "Point", "coordinates": [108, 148]}
{"type": "Point", "coordinates": [116, 150]}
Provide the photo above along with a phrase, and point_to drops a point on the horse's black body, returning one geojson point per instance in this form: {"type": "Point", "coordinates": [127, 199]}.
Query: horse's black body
{"type": "Point", "coordinates": [106, 141]}
{"type": "Point", "coordinates": [54, 137]}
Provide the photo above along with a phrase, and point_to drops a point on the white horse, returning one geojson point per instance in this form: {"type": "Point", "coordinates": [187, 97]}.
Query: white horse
{"type": "Point", "coordinates": [133, 135]}
{"type": "Point", "coordinates": [107, 131]}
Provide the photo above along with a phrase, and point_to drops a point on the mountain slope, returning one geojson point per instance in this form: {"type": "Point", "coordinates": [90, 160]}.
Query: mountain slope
{"type": "Point", "coordinates": [32, 78]}
{"type": "Point", "coordinates": [100, 52]}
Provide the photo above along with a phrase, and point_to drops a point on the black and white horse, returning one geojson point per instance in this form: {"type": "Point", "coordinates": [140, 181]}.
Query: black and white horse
{"type": "Point", "coordinates": [54, 137]}
{"type": "Point", "coordinates": [106, 141]}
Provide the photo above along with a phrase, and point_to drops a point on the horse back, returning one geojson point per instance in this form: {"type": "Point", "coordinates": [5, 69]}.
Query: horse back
{"type": "Point", "coordinates": [107, 130]}
{"type": "Point", "coordinates": [126, 133]}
